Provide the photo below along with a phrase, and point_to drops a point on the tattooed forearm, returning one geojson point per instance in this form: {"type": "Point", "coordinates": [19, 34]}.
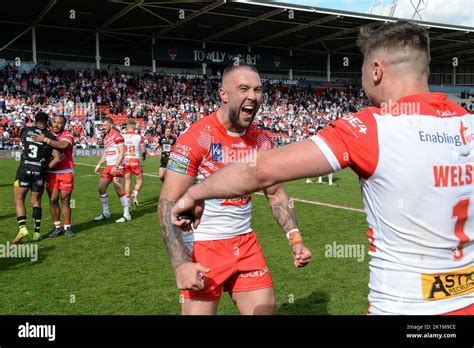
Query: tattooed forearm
{"type": "Point", "coordinates": [284, 214]}
{"type": "Point", "coordinates": [172, 235]}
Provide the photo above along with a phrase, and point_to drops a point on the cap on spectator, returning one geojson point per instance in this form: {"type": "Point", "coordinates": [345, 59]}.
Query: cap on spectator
{"type": "Point", "coordinates": [41, 117]}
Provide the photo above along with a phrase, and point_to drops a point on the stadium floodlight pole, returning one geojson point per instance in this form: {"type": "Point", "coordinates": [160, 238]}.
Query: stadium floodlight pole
{"type": "Point", "coordinates": [153, 61]}
{"type": "Point", "coordinates": [97, 51]}
{"type": "Point", "coordinates": [291, 69]}
{"type": "Point", "coordinates": [33, 28]}
{"type": "Point", "coordinates": [33, 44]}
{"type": "Point", "coordinates": [328, 67]}
{"type": "Point", "coordinates": [454, 75]}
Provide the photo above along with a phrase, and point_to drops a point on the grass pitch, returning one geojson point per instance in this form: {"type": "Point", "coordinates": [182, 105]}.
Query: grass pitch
{"type": "Point", "coordinates": [111, 268]}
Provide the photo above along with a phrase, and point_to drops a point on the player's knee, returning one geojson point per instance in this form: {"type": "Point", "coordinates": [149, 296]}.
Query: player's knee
{"type": "Point", "coordinates": [18, 198]}
{"type": "Point", "coordinates": [266, 306]}
{"type": "Point", "coordinates": [66, 200]}
{"type": "Point", "coordinates": [35, 201]}
{"type": "Point", "coordinates": [265, 303]}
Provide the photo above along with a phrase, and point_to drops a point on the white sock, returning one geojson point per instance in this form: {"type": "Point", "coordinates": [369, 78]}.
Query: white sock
{"type": "Point", "coordinates": [67, 226]}
{"type": "Point", "coordinates": [125, 204]}
{"type": "Point", "coordinates": [330, 179]}
{"type": "Point", "coordinates": [104, 199]}
{"type": "Point", "coordinates": [135, 193]}
{"type": "Point", "coordinates": [57, 224]}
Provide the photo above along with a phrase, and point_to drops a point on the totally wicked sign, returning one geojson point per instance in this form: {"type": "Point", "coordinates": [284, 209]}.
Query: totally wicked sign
{"type": "Point", "coordinates": [166, 51]}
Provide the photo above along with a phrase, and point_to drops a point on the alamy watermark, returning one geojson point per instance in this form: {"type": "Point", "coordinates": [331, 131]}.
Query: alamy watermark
{"type": "Point", "coordinates": [336, 250]}
{"type": "Point", "coordinates": [37, 331]}
{"type": "Point", "coordinates": [400, 108]}
{"type": "Point", "coordinates": [20, 251]}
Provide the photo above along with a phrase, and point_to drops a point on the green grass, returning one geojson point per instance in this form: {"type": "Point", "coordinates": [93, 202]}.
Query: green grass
{"type": "Point", "coordinates": [93, 269]}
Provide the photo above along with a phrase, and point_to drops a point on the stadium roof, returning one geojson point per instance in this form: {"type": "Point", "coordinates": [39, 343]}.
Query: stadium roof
{"type": "Point", "coordinates": [129, 25]}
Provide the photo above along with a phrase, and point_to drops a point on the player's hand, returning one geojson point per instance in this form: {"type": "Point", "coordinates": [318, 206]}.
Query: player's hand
{"type": "Point", "coordinates": [39, 138]}
{"type": "Point", "coordinates": [113, 171]}
{"type": "Point", "coordinates": [301, 255]}
{"type": "Point", "coordinates": [187, 205]}
{"type": "Point", "coordinates": [97, 168]}
{"type": "Point", "coordinates": [190, 276]}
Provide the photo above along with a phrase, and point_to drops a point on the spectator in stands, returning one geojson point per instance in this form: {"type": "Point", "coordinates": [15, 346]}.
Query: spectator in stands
{"type": "Point", "coordinates": [290, 112]}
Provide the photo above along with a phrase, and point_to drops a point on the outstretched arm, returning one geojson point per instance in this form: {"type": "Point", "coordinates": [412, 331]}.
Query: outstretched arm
{"type": "Point", "coordinates": [296, 161]}
{"type": "Point", "coordinates": [56, 144]}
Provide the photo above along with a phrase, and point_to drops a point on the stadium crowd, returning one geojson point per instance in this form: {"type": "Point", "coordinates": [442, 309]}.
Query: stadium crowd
{"type": "Point", "coordinates": [289, 112]}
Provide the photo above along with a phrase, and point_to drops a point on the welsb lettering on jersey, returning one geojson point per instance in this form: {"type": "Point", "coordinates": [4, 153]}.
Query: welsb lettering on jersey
{"type": "Point", "coordinates": [452, 176]}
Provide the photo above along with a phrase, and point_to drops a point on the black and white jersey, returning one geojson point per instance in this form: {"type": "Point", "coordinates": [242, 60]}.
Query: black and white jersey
{"type": "Point", "coordinates": [35, 154]}
{"type": "Point", "coordinates": [166, 144]}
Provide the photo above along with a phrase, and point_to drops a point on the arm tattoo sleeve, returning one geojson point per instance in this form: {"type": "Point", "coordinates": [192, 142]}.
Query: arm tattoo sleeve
{"type": "Point", "coordinates": [284, 214]}
{"type": "Point", "coordinates": [172, 235]}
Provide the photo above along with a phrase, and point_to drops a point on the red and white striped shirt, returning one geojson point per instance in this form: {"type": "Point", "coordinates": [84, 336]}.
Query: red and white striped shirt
{"type": "Point", "coordinates": [112, 142]}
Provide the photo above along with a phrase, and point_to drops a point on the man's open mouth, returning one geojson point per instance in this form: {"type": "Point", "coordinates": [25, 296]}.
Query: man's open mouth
{"type": "Point", "coordinates": [248, 109]}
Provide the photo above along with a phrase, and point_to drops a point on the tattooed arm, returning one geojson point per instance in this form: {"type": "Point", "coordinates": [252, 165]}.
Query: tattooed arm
{"type": "Point", "coordinates": [172, 235]}
{"type": "Point", "coordinates": [186, 271]}
{"type": "Point", "coordinates": [284, 212]}
{"type": "Point", "coordinates": [282, 207]}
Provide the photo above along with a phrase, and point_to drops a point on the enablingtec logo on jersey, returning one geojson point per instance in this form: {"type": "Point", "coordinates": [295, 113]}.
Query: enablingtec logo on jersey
{"type": "Point", "coordinates": [440, 138]}
{"type": "Point", "coordinates": [463, 138]}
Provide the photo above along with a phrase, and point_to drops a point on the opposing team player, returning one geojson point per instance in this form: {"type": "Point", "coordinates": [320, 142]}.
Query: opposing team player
{"type": "Point", "coordinates": [223, 252]}
{"type": "Point", "coordinates": [166, 142]}
{"type": "Point", "coordinates": [31, 174]}
{"type": "Point", "coordinates": [134, 150]}
{"type": "Point", "coordinates": [414, 154]}
{"type": "Point", "coordinates": [114, 153]}
{"type": "Point", "coordinates": [60, 182]}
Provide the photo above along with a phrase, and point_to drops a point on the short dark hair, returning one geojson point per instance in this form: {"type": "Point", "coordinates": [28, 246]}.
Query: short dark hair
{"type": "Point", "coordinates": [406, 41]}
{"type": "Point", "coordinates": [233, 67]}
{"type": "Point", "coordinates": [41, 117]}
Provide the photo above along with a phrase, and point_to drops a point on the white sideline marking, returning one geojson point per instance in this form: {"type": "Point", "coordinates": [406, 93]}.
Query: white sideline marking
{"type": "Point", "coordinates": [261, 194]}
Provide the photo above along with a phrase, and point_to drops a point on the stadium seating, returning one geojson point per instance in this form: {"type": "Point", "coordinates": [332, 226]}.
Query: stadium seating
{"type": "Point", "coordinates": [288, 113]}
